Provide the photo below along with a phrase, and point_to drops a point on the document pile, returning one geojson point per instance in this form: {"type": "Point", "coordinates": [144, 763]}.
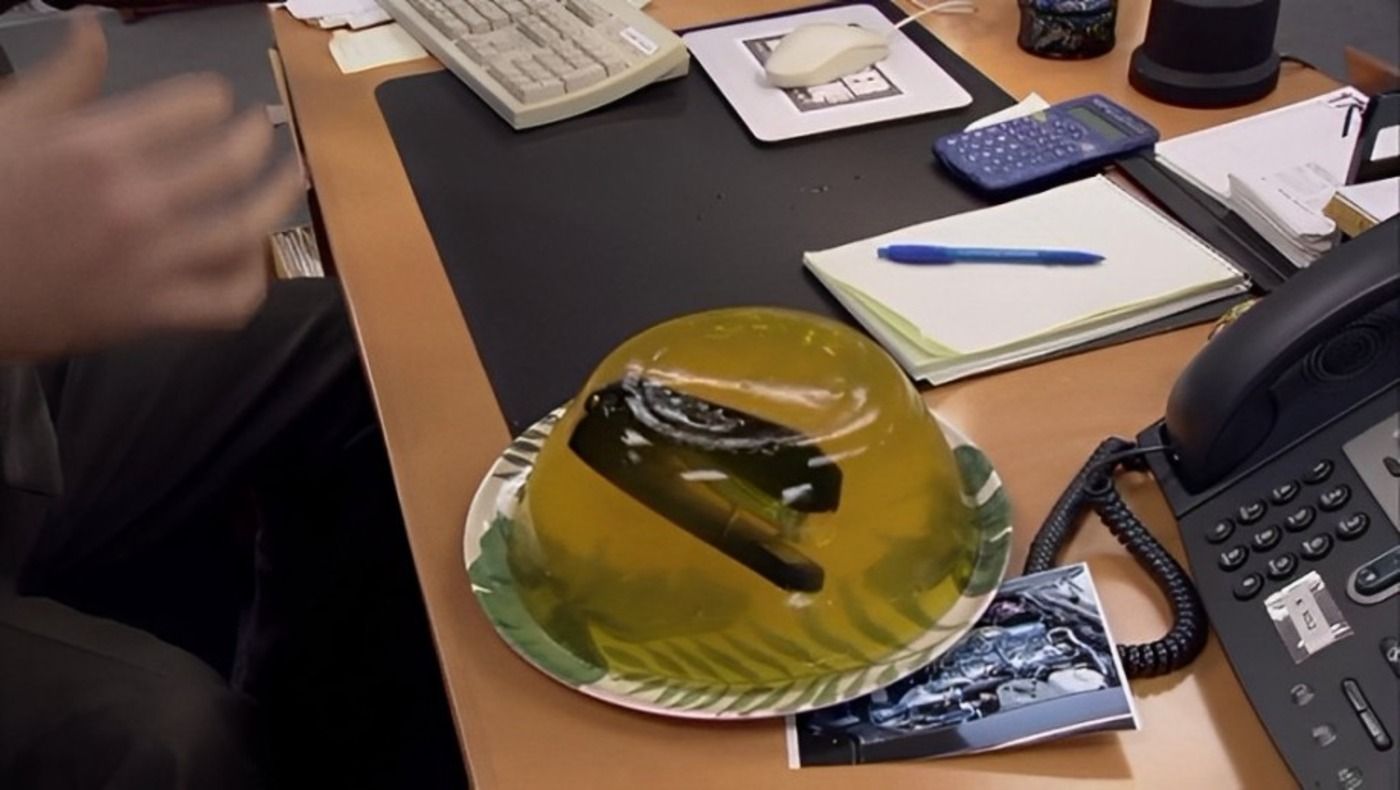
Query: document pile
{"type": "Point", "coordinates": [947, 321]}
{"type": "Point", "coordinates": [355, 14]}
{"type": "Point", "coordinates": [1277, 170]}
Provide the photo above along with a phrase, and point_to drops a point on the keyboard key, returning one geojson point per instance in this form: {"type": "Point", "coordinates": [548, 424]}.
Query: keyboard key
{"type": "Point", "coordinates": [588, 11]}
{"type": "Point", "coordinates": [540, 33]}
{"type": "Point", "coordinates": [582, 78]}
{"type": "Point", "coordinates": [514, 9]}
{"type": "Point", "coordinates": [493, 14]}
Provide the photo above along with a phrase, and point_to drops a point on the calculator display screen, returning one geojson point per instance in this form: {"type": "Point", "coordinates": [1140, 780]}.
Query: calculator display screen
{"type": "Point", "coordinates": [1097, 123]}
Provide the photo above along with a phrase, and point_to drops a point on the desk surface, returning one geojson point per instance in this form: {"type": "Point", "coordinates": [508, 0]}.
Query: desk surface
{"type": "Point", "coordinates": [520, 729]}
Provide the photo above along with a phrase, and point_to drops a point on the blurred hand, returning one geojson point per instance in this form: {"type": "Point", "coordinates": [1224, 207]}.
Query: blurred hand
{"type": "Point", "coordinates": [130, 214]}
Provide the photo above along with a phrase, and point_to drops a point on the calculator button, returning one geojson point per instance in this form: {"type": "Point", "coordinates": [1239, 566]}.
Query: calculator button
{"type": "Point", "coordinates": [1233, 557]}
{"type": "Point", "coordinates": [1299, 519]}
{"type": "Point", "coordinates": [1284, 494]}
{"type": "Point", "coordinates": [1353, 526]}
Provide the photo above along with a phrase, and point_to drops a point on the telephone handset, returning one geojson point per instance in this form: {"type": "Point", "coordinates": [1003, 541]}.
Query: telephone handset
{"type": "Point", "coordinates": [1224, 407]}
{"type": "Point", "coordinates": [1280, 457]}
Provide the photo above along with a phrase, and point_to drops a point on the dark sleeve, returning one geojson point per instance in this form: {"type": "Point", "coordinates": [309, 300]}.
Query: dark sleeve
{"type": "Point", "coordinates": [28, 446]}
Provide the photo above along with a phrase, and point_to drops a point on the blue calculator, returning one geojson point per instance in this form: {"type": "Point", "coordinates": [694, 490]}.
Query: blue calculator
{"type": "Point", "coordinates": [1046, 147]}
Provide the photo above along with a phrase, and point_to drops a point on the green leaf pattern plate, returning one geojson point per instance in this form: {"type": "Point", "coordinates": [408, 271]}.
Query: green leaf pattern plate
{"type": "Point", "coordinates": [496, 508]}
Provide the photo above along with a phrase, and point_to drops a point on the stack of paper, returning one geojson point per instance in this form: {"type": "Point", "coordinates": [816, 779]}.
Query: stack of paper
{"type": "Point", "coordinates": [945, 322]}
{"type": "Point", "coordinates": [355, 14]}
{"type": "Point", "coordinates": [1277, 170]}
{"type": "Point", "coordinates": [1357, 208]}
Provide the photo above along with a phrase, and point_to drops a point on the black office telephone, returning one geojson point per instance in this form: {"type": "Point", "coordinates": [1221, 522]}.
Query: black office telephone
{"type": "Point", "coordinates": [1280, 457]}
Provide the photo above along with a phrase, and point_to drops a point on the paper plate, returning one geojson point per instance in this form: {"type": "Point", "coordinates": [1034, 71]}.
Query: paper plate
{"type": "Point", "coordinates": [496, 508]}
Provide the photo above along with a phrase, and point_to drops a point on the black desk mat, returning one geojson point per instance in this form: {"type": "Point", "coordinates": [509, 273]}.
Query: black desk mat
{"type": "Point", "coordinates": [564, 240]}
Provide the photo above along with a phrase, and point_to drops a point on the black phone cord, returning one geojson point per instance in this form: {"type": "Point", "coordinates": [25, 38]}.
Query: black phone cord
{"type": "Point", "coordinates": [1093, 486]}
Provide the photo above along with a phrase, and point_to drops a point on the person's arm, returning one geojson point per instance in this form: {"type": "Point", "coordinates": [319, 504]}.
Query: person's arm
{"type": "Point", "coordinates": [121, 216]}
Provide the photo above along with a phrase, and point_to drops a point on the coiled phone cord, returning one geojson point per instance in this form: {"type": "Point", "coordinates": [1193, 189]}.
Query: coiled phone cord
{"type": "Point", "coordinates": [1093, 486]}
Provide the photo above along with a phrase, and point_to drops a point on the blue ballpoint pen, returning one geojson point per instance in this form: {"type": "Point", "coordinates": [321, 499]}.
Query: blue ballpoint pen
{"type": "Point", "coordinates": [933, 253]}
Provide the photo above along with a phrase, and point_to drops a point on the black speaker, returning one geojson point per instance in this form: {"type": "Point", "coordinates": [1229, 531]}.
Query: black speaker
{"type": "Point", "coordinates": [1207, 53]}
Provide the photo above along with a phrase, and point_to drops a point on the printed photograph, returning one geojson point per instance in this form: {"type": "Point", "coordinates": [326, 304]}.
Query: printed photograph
{"type": "Point", "coordinates": [1040, 664]}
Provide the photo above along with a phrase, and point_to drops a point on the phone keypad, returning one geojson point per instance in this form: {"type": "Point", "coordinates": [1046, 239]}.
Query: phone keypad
{"type": "Point", "coordinates": [1282, 558]}
{"type": "Point", "coordinates": [1318, 558]}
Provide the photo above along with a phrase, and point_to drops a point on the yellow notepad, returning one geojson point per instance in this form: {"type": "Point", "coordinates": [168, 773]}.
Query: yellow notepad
{"type": "Point", "coordinates": [945, 322]}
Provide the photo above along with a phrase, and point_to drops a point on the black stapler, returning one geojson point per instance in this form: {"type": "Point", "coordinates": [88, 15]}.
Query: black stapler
{"type": "Point", "coordinates": [738, 482]}
{"type": "Point", "coordinates": [1370, 162]}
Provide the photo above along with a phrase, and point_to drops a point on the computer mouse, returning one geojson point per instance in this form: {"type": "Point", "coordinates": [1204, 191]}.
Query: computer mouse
{"type": "Point", "coordinates": [822, 52]}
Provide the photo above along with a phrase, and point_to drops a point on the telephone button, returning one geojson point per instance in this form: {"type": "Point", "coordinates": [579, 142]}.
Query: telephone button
{"type": "Point", "coordinates": [1220, 531]}
{"type": "Point", "coordinates": [1390, 651]}
{"type": "Point", "coordinates": [1266, 538]}
{"type": "Point", "coordinates": [1362, 708]}
{"type": "Point", "coordinates": [1317, 547]}
{"type": "Point", "coordinates": [1284, 494]}
{"type": "Point", "coordinates": [1282, 566]}
{"type": "Point", "coordinates": [1301, 694]}
{"type": "Point", "coordinates": [1249, 586]}
{"type": "Point", "coordinates": [1350, 778]}
{"type": "Point", "coordinates": [1318, 472]}
{"type": "Point", "coordinates": [1353, 526]}
{"type": "Point", "coordinates": [1379, 574]}
{"type": "Point", "coordinates": [1379, 737]}
{"type": "Point", "coordinates": [1251, 512]}
{"type": "Point", "coordinates": [1233, 557]}
{"type": "Point", "coordinates": [1335, 498]}
{"type": "Point", "coordinates": [1300, 519]}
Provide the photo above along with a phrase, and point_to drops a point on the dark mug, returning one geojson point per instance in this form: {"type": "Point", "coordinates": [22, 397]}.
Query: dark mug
{"type": "Point", "coordinates": [1067, 29]}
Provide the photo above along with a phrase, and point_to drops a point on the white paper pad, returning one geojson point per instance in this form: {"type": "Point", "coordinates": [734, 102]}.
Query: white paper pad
{"type": "Point", "coordinates": [943, 322]}
{"type": "Point", "coordinates": [367, 49]}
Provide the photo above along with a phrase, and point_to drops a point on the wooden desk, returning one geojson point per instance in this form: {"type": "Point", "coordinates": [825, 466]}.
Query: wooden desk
{"type": "Point", "coordinates": [520, 729]}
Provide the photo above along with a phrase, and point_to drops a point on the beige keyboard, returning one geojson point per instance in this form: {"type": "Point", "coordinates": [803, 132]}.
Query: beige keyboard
{"type": "Point", "coordinates": [540, 61]}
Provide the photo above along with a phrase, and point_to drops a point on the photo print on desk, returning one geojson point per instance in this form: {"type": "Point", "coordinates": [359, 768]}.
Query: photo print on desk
{"type": "Point", "coordinates": [871, 84]}
{"type": "Point", "coordinates": [1039, 665]}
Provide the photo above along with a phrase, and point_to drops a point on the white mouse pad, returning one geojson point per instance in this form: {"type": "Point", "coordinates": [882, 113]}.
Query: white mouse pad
{"type": "Point", "coordinates": [906, 83]}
